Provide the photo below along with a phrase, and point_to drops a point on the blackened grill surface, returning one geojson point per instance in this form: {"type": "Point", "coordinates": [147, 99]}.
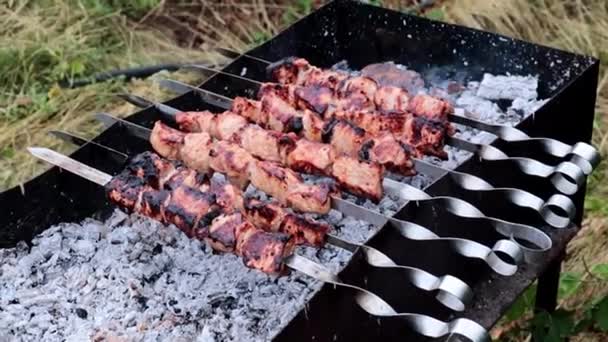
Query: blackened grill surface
{"type": "Point", "coordinates": [327, 37]}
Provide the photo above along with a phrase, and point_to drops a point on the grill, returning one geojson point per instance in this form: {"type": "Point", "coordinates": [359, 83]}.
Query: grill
{"type": "Point", "coordinates": [448, 223]}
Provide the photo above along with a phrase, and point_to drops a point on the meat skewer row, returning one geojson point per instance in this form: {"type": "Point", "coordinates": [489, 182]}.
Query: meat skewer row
{"type": "Point", "coordinates": [410, 230]}
{"type": "Point", "coordinates": [383, 86]}
{"type": "Point", "coordinates": [566, 177]}
{"type": "Point", "coordinates": [198, 215]}
{"type": "Point", "coordinates": [274, 183]}
{"type": "Point", "coordinates": [183, 183]}
{"type": "Point", "coordinates": [200, 152]}
{"type": "Point", "coordinates": [360, 178]}
{"type": "Point", "coordinates": [265, 251]}
{"type": "Point", "coordinates": [307, 109]}
{"type": "Point", "coordinates": [557, 211]}
{"type": "Point", "coordinates": [163, 174]}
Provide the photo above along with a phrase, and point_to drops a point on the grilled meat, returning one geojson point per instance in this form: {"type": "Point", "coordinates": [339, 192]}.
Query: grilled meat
{"type": "Point", "coordinates": [240, 167]}
{"type": "Point", "coordinates": [263, 234]}
{"type": "Point", "coordinates": [287, 149]}
{"type": "Point", "coordinates": [273, 217]}
{"type": "Point", "coordinates": [390, 75]}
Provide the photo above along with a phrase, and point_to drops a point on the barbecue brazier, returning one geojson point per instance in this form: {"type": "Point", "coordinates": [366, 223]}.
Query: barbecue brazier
{"type": "Point", "coordinates": [363, 34]}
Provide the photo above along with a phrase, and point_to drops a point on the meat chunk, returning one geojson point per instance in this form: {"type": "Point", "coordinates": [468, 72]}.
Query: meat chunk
{"type": "Point", "coordinates": [310, 157]}
{"type": "Point", "coordinates": [232, 160]}
{"type": "Point", "coordinates": [262, 250]}
{"type": "Point", "coordinates": [166, 140]}
{"type": "Point", "coordinates": [392, 99]}
{"type": "Point", "coordinates": [431, 108]}
{"type": "Point", "coordinates": [273, 217]}
{"type": "Point", "coordinates": [359, 178]}
{"type": "Point", "coordinates": [343, 136]}
{"type": "Point", "coordinates": [387, 151]}
{"type": "Point", "coordinates": [222, 232]}
{"type": "Point", "coordinates": [195, 151]}
{"type": "Point", "coordinates": [250, 109]}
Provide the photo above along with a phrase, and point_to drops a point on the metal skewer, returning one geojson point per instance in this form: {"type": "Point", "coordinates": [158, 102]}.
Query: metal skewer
{"type": "Point", "coordinates": [368, 301]}
{"type": "Point", "coordinates": [451, 291]}
{"type": "Point", "coordinates": [584, 155]}
{"type": "Point", "coordinates": [458, 207]}
{"type": "Point", "coordinates": [558, 211]}
{"type": "Point", "coordinates": [566, 177]}
{"type": "Point", "coordinates": [409, 230]}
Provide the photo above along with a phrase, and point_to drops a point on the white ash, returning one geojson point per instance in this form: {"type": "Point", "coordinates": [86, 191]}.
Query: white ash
{"type": "Point", "coordinates": [132, 278]}
{"type": "Point", "coordinates": [508, 87]}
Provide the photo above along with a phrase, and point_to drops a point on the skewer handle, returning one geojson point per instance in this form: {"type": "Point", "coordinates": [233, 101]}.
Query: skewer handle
{"type": "Point", "coordinates": [585, 156]}
{"type": "Point", "coordinates": [376, 306]}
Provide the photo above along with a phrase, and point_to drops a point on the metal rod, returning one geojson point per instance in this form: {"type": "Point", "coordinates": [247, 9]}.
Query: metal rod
{"type": "Point", "coordinates": [367, 300]}
{"type": "Point", "coordinates": [557, 211]}
{"type": "Point", "coordinates": [583, 155]}
{"type": "Point", "coordinates": [516, 254]}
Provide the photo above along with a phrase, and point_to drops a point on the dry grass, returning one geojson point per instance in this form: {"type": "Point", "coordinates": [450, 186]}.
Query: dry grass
{"type": "Point", "coordinates": [46, 41]}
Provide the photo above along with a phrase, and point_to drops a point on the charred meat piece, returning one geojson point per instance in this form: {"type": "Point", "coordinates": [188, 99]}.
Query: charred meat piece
{"type": "Point", "coordinates": [186, 207]}
{"type": "Point", "coordinates": [262, 250]}
{"type": "Point", "coordinates": [387, 151]}
{"type": "Point", "coordinates": [425, 137]}
{"type": "Point", "coordinates": [431, 108]}
{"type": "Point", "coordinates": [288, 188]}
{"type": "Point", "coordinates": [392, 99]}
{"type": "Point", "coordinates": [290, 70]}
{"type": "Point", "coordinates": [357, 93]}
{"type": "Point", "coordinates": [359, 178]}
{"type": "Point", "coordinates": [345, 137]}
{"type": "Point", "coordinates": [264, 144]}
{"type": "Point", "coordinates": [226, 195]}
{"type": "Point", "coordinates": [222, 232]}
{"type": "Point", "coordinates": [125, 190]}
{"type": "Point", "coordinates": [375, 123]}
{"type": "Point", "coordinates": [232, 160]}
{"type": "Point", "coordinates": [311, 157]}
{"type": "Point", "coordinates": [273, 217]}
{"type": "Point", "coordinates": [280, 113]}
{"type": "Point", "coordinates": [315, 98]}
{"type": "Point", "coordinates": [251, 110]}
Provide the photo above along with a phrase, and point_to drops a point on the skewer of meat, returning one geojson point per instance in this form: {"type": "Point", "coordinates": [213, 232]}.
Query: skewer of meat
{"type": "Point", "coordinates": [265, 251]}
{"type": "Point", "coordinates": [557, 211]}
{"type": "Point", "coordinates": [360, 178]}
{"type": "Point", "coordinates": [565, 177]}
{"type": "Point", "coordinates": [388, 88]}
{"type": "Point", "coordinates": [307, 110]}
{"type": "Point", "coordinates": [164, 175]}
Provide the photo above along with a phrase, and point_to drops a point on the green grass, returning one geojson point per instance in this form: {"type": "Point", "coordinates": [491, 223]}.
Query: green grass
{"type": "Point", "coordinates": [45, 42]}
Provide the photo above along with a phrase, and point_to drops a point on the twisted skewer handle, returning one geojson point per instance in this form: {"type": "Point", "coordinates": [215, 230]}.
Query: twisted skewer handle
{"type": "Point", "coordinates": [451, 291]}
{"type": "Point", "coordinates": [585, 156]}
{"type": "Point", "coordinates": [376, 306]}
{"type": "Point", "coordinates": [566, 177]}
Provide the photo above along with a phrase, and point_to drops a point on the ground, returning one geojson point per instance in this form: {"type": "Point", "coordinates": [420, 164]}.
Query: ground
{"type": "Point", "coordinates": [43, 43]}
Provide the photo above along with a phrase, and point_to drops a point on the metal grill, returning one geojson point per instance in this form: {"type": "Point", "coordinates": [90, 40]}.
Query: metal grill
{"type": "Point", "coordinates": [464, 246]}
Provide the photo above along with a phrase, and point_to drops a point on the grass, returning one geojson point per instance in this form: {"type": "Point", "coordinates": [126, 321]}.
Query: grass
{"type": "Point", "coordinates": [44, 42]}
